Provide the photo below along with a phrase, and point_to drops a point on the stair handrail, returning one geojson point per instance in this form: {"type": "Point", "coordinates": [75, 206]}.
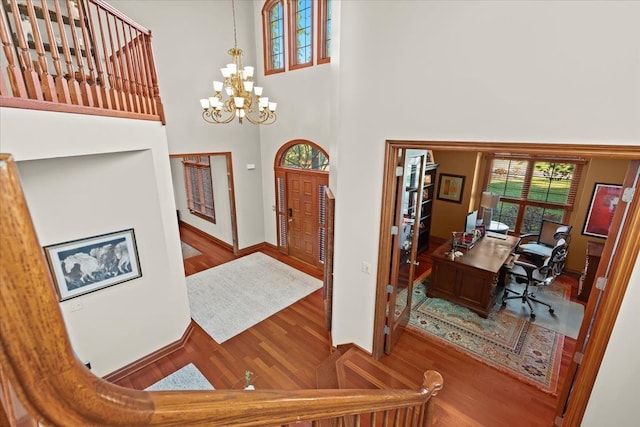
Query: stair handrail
{"type": "Point", "coordinates": [40, 375]}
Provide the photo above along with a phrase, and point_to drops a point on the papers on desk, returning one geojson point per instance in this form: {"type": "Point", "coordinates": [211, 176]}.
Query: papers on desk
{"type": "Point", "coordinates": [495, 235]}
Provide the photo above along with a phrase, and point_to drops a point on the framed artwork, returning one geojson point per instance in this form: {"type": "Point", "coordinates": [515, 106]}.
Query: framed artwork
{"type": "Point", "coordinates": [604, 199]}
{"type": "Point", "coordinates": [450, 187]}
{"type": "Point", "coordinates": [86, 265]}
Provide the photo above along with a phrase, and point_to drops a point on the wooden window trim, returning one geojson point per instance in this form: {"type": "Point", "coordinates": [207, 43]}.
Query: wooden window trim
{"type": "Point", "coordinates": [523, 202]}
{"type": "Point", "coordinates": [266, 36]}
{"type": "Point", "coordinates": [323, 14]}
{"type": "Point", "coordinates": [279, 158]}
{"type": "Point", "coordinates": [292, 6]}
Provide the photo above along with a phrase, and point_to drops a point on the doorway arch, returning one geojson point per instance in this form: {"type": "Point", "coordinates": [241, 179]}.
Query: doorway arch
{"type": "Point", "coordinates": [301, 170]}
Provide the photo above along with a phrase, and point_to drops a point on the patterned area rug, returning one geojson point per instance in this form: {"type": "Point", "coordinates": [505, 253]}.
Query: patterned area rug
{"type": "Point", "coordinates": [511, 344]}
{"type": "Point", "coordinates": [186, 378]}
{"type": "Point", "coordinates": [188, 251]}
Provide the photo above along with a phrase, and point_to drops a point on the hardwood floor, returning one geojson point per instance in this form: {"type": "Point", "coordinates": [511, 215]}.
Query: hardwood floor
{"type": "Point", "coordinates": [284, 350]}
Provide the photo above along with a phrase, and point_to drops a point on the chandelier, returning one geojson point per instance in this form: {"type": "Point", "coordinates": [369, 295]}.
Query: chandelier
{"type": "Point", "coordinates": [243, 99]}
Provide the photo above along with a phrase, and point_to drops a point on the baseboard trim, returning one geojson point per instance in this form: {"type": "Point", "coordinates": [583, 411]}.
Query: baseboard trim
{"type": "Point", "coordinates": [207, 236]}
{"type": "Point", "coordinates": [254, 248]}
{"type": "Point", "coordinates": [150, 358]}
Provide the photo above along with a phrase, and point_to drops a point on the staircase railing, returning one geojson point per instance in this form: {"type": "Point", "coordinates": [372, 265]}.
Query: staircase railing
{"type": "Point", "coordinates": [43, 383]}
{"type": "Point", "coordinates": [80, 56]}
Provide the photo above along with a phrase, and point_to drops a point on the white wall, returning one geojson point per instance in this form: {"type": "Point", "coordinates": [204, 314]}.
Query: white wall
{"type": "Point", "coordinates": [190, 43]}
{"type": "Point", "coordinates": [222, 229]}
{"type": "Point", "coordinates": [303, 98]}
{"type": "Point", "coordinates": [89, 175]}
{"type": "Point", "coordinates": [614, 399]}
{"type": "Point", "coordinates": [498, 71]}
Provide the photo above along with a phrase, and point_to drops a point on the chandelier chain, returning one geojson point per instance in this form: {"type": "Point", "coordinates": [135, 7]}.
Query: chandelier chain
{"type": "Point", "coordinates": [235, 36]}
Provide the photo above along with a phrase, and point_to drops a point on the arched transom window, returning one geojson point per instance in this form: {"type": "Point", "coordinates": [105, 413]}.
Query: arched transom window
{"type": "Point", "coordinates": [305, 156]}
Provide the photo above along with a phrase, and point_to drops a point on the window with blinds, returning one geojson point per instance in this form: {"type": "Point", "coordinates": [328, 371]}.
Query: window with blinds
{"type": "Point", "coordinates": [199, 186]}
{"type": "Point", "coordinates": [532, 189]}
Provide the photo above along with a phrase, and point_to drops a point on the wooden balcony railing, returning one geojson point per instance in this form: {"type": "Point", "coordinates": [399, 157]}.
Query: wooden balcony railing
{"type": "Point", "coordinates": [43, 384]}
{"type": "Point", "coordinates": [80, 56]}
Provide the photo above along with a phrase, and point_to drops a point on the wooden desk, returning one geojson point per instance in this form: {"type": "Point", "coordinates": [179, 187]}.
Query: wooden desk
{"type": "Point", "coordinates": [471, 280]}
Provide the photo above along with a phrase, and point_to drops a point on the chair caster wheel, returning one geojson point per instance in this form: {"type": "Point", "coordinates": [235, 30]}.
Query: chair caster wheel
{"type": "Point", "coordinates": [533, 316]}
{"type": "Point", "coordinates": [504, 303]}
{"type": "Point", "coordinates": [551, 310]}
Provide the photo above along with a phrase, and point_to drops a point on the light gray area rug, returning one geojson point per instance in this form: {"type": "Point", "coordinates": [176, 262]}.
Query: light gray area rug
{"type": "Point", "coordinates": [567, 316]}
{"type": "Point", "coordinates": [230, 298]}
{"type": "Point", "coordinates": [186, 378]}
{"type": "Point", "coordinates": [188, 251]}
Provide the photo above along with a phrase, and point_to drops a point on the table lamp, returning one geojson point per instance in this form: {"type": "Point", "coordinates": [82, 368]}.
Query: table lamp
{"type": "Point", "coordinates": [489, 202]}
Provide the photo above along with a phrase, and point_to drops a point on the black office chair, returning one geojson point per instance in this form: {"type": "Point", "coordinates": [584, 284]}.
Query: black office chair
{"type": "Point", "coordinates": [536, 275]}
{"type": "Point", "coordinates": [538, 246]}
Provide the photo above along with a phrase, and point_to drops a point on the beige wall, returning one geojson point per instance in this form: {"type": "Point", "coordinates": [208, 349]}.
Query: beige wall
{"type": "Point", "coordinates": [607, 171]}
{"type": "Point", "coordinates": [449, 216]}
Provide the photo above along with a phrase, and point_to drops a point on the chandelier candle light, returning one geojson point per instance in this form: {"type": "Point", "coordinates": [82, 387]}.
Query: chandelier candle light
{"type": "Point", "coordinates": [244, 100]}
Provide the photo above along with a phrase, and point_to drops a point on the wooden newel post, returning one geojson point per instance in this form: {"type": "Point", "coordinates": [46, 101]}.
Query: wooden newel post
{"type": "Point", "coordinates": [433, 383]}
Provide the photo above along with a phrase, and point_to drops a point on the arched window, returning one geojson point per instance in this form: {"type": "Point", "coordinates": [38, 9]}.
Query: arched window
{"type": "Point", "coordinates": [305, 156]}
{"type": "Point", "coordinates": [273, 36]}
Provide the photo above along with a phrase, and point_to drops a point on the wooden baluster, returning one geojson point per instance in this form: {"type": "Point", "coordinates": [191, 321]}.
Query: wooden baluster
{"type": "Point", "coordinates": [90, 54]}
{"type": "Point", "coordinates": [154, 79]}
{"type": "Point", "coordinates": [130, 67]}
{"type": "Point", "coordinates": [101, 82]}
{"type": "Point", "coordinates": [115, 64]}
{"type": "Point", "coordinates": [112, 98]}
{"type": "Point", "coordinates": [85, 90]}
{"type": "Point", "coordinates": [16, 79]}
{"type": "Point", "coordinates": [74, 87]}
{"type": "Point", "coordinates": [46, 80]}
{"type": "Point", "coordinates": [421, 415]}
{"type": "Point", "coordinates": [137, 69]}
{"type": "Point", "coordinates": [396, 418]}
{"type": "Point", "coordinates": [31, 78]}
{"type": "Point", "coordinates": [148, 66]}
{"type": "Point", "coordinates": [4, 91]}
{"type": "Point", "coordinates": [62, 89]}
{"type": "Point", "coordinates": [385, 418]}
{"type": "Point", "coordinates": [122, 48]}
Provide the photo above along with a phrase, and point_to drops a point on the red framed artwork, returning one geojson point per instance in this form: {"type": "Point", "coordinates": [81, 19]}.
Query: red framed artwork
{"type": "Point", "coordinates": [604, 200]}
